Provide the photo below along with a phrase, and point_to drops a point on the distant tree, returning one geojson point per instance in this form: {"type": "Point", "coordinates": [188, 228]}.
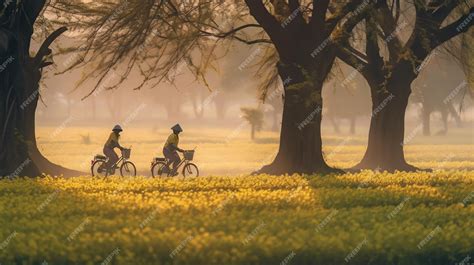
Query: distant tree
{"type": "Point", "coordinates": [347, 98]}
{"type": "Point", "coordinates": [155, 37]}
{"type": "Point", "coordinates": [440, 93]}
{"type": "Point", "coordinates": [254, 116]}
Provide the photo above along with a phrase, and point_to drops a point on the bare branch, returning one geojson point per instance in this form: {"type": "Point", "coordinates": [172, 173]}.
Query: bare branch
{"type": "Point", "coordinates": [44, 49]}
{"type": "Point", "coordinates": [459, 26]}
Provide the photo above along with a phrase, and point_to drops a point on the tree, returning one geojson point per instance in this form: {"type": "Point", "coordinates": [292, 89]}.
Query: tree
{"type": "Point", "coordinates": [19, 89]}
{"type": "Point", "coordinates": [155, 37]}
{"type": "Point", "coordinates": [439, 92]}
{"type": "Point", "coordinates": [254, 116]}
{"type": "Point", "coordinates": [346, 98]}
{"type": "Point", "coordinates": [391, 74]}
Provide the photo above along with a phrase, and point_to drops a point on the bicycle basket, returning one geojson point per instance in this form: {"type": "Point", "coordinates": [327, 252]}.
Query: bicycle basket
{"type": "Point", "coordinates": [189, 155]}
{"type": "Point", "coordinates": [126, 153]}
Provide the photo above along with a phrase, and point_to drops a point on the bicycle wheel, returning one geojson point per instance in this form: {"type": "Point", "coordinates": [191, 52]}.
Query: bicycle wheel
{"type": "Point", "coordinates": [128, 169]}
{"type": "Point", "coordinates": [95, 169]}
{"type": "Point", "coordinates": [190, 171]}
{"type": "Point", "coordinates": [159, 170]}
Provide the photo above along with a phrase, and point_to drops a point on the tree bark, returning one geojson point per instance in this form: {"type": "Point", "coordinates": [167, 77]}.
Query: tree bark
{"type": "Point", "coordinates": [15, 159]}
{"type": "Point", "coordinates": [387, 129]}
{"type": "Point", "coordinates": [300, 148]}
{"type": "Point", "coordinates": [19, 94]}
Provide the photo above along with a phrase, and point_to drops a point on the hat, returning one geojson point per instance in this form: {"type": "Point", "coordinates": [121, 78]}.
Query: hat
{"type": "Point", "coordinates": [117, 128]}
{"type": "Point", "coordinates": [177, 128]}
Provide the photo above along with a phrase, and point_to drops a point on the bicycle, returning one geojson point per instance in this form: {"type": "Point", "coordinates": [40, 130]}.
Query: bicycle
{"type": "Point", "coordinates": [127, 168]}
{"type": "Point", "coordinates": [159, 168]}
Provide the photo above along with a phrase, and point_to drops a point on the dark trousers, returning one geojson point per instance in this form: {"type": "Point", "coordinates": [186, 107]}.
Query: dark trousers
{"type": "Point", "coordinates": [172, 157]}
{"type": "Point", "coordinates": [113, 157]}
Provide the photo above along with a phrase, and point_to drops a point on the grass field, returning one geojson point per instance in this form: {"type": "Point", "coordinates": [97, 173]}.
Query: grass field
{"type": "Point", "coordinates": [363, 218]}
{"type": "Point", "coordinates": [231, 152]}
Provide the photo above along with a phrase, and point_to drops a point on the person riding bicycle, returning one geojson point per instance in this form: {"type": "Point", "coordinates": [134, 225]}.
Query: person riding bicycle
{"type": "Point", "coordinates": [111, 144]}
{"type": "Point", "coordinates": [171, 147]}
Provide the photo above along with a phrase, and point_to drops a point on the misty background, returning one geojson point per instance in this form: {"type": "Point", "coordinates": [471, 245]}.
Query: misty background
{"type": "Point", "coordinates": [217, 101]}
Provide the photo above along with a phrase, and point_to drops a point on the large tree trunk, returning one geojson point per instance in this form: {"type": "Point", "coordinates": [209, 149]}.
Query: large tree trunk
{"type": "Point", "coordinates": [387, 128]}
{"type": "Point", "coordinates": [19, 93]}
{"type": "Point", "coordinates": [300, 138]}
{"type": "Point", "coordinates": [15, 159]}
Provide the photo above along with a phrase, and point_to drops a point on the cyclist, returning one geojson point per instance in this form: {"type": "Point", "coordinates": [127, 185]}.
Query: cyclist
{"type": "Point", "coordinates": [171, 147]}
{"type": "Point", "coordinates": [111, 144]}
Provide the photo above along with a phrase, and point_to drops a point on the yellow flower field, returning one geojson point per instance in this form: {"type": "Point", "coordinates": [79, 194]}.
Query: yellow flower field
{"type": "Point", "coordinates": [359, 218]}
{"type": "Point", "coordinates": [241, 220]}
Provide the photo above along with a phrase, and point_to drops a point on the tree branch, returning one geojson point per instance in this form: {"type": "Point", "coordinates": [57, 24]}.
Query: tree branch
{"type": "Point", "coordinates": [442, 9]}
{"type": "Point", "coordinates": [388, 24]}
{"type": "Point", "coordinates": [332, 21]}
{"type": "Point", "coordinates": [230, 32]}
{"type": "Point", "coordinates": [372, 45]}
{"type": "Point", "coordinates": [344, 53]}
{"type": "Point", "coordinates": [452, 30]}
{"type": "Point", "coordinates": [266, 20]}
{"type": "Point", "coordinates": [343, 33]}
{"type": "Point", "coordinates": [44, 49]}
{"type": "Point", "coordinates": [318, 16]}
